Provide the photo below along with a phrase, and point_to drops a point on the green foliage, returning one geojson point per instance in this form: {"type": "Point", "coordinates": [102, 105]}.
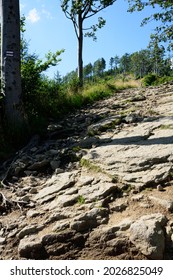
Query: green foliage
{"type": "Point", "coordinates": [86, 163]}
{"type": "Point", "coordinates": [154, 80]}
{"type": "Point", "coordinates": [81, 200]}
{"type": "Point", "coordinates": [149, 79]}
{"type": "Point", "coordinates": [97, 91]}
{"type": "Point", "coordinates": [74, 85]}
{"type": "Point", "coordinates": [45, 98]}
{"type": "Point", "coordinates": [164, 16]}
{"type": "Point", "coordinates": [41, 96]}
{"type": "Point", "coordinates": [78, 11]}
{"type": "Point", "coordinates": [125, 63]}
{"type": "Point", "coordinates": [164, 79]}
{"type": "Point", "coordinates": [166, 126]}
{"type": "Point", "coordinates": [99, 67]}
{"type": "Point", "coordinates": [94, 28]}
{"type": "Point", "coordinates": [114, 62]}
{"type": "Point", "coordinates": [84, 10]}
{"type": "Point", "coordinates": [140, 63]}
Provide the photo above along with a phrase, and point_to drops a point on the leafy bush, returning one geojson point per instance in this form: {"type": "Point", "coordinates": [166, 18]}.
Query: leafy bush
{"type": "Point", "coordinates": [149, 79]}
{"type": "Point", "coordinates": [165, 79]}
{"type": "Point", "coordinates": [154, 80]}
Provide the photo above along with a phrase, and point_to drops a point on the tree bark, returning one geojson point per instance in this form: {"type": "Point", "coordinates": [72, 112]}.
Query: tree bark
{"type": "Point", "coordinates": [14, 118]}
{"type": "Point", "coordinates": [80, 49]}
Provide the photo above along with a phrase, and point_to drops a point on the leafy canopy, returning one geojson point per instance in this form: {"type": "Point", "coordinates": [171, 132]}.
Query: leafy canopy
{"type": "Point", "coordinates": [164, 15]}
{"type": "Point", "coordinates": [74, 9]}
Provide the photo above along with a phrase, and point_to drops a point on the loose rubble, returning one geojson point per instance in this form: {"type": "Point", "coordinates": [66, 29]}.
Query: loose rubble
{"type": "Point", "coordinates": [98, 186]}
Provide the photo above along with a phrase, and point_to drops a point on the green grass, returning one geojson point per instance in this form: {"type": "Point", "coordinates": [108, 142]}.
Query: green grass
{"type": "Point", "coordinates": [92, 92]}
{"type": "Point", "coordinates": [166, 126]}
{"type": "Point", "coordinates": [48, 102]}
{"type": "Point", "coordinates": [81, 200]}
{"type": "Point", "coordinates": [86, 163]}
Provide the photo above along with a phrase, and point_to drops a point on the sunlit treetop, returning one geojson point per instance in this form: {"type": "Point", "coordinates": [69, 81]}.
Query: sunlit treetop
{"type": "Point", "coordinates": [74, 9]}
{"type": "Point", "coordinates": [163, 15]}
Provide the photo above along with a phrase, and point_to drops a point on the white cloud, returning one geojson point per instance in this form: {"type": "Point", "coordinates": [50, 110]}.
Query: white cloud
{"type": "Point", "coordinates": [33, 16]}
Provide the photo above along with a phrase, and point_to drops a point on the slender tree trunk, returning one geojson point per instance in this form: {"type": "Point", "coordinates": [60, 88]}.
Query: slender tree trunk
{"type": "Point", "coordinates": [80, 50]}
{"type": "Point", "coordinates": [10, 67]}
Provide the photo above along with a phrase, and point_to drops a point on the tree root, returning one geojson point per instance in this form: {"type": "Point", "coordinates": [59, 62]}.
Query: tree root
{"type": "Point", "coordinates": [6, 205]}
{"type": "Point", "coordinates": [32, 143]}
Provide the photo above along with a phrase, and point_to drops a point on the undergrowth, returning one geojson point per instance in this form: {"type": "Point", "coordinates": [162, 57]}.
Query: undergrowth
{"type": "Point", "coordinates": [99, 90]}
{"type": "Point", "coordinates": [51, 100]}
{"type": "Point", "coordinates": [155, 80]}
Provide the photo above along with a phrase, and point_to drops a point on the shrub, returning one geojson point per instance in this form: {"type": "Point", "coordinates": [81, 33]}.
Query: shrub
{"type": "Point", "coordinates": [149, 79]}
{"type": "Point", "coordinates": [165, 79]}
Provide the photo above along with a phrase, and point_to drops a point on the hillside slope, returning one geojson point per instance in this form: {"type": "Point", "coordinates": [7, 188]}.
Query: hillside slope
{"type": "Point", "coordinates": [100, 186]}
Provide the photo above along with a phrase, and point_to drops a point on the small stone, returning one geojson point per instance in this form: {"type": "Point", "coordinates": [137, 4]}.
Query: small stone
{"type": "Point", "coordinates": [32, 213]}
{"type": "Point", "coordinates": [27, 188]}
{"type": "Point", "coordinates": [13, 233]}
{"type": "Point", "coordinates": [58, 171]}
{"type": "Point", "coordinates": [2, 240]}
{"type": "Point", "coordinates": [159, 188]}
{"type": "Point", "coordinates": [1, 250]}
{"type": "Point", "coordinates": [61, 226]}
{"type": "Point", "coordinates": [63, 201]}
{"type": "Point", "coordinates": [84, 181]}
{"type": "Point", "coordinates": [145, 205]}
{"type": "Point", "coordinates": [54, 127]}
{"type": "Point", "coordinates": [56, 217]}
{"type": "Point", "coordinates": [73, 190]}
{"type": "Point", "coordinates": [52, 238]}
{"type": "Point", "coordinates": [119, 207]}
{"type": "Point", "coordinates": [55, 164]}
{"type": "Point", "coordinates": [12, 226]}
{"type": "Point", "coordinates": [53, 152]}
{"type": "Point", "coordinates": [38, 165]}
{"type": "Point", "coordinates": [137, 197]}
{"type": "Point", "coordinates": [20, 193]}
{"type": "Point", "coordinates": [29, 173]}
{"type": "Point", "coordinates": [26, 198]}
{"type": "Point", "coordinates": [33, 150]}
{"type": "Point", "coordinates": [88, 220]}
{"type": "Point", "coordinates": [33, 190]}
{"type": "Point", "coordinates": [125, 224]}
{"type": "Point", "coordinates": [28, 230]}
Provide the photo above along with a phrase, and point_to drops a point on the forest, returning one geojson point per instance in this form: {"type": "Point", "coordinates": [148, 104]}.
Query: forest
{"type": "Point", "coordinates": [45, 99]}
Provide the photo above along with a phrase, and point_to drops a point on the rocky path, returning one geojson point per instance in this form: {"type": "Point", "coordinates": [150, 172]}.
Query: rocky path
{"type": "Point", "coordinates": [100, 186]}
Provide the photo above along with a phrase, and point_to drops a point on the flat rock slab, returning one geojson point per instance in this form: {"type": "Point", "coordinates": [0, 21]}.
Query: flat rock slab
{"type": "Point", "coordinates": [139, 154]}
{"type": "Point", "coordinates": [98, 191]}
{"type": "Point", "coordinates": [56, 184]}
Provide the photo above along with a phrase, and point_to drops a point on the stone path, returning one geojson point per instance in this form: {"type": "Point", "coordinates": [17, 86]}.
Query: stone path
{"type": "Point", "coordinates": [100, 186]}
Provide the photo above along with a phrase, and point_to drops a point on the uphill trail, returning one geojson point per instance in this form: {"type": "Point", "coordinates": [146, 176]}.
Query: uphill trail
{"type": "Point", "coordinates": [98, 186]}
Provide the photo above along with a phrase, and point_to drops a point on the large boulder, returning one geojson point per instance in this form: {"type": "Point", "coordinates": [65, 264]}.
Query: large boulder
{"type": "Point", "coordinates": [31, 247]}
{"type": "Point", "coordinates": [148, 235]}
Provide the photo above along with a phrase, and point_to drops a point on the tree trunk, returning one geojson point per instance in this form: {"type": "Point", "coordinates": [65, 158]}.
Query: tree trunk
{"type": "Point", "coordinates": [80, 50]}
{"type": "Point", "coordinates": [14, 119]}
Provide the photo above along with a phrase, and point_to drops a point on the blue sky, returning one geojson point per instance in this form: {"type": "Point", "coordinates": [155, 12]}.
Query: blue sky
{"type": "Point", "coordinates": [47, 28]}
